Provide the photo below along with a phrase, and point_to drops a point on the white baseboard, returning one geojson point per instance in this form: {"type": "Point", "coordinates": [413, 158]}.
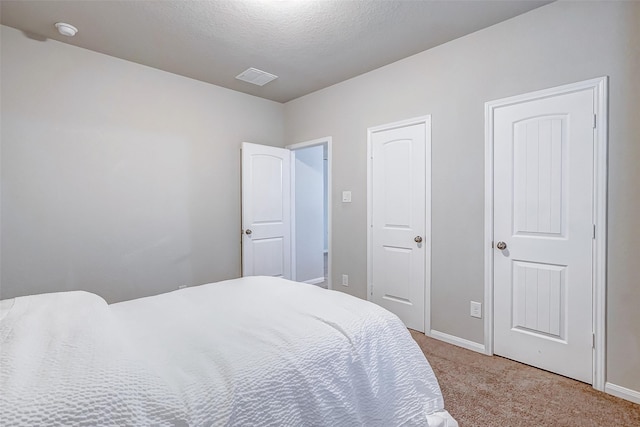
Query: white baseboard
{"type": "Point", "coordinates": [460, 342]}
{"type": "Point", "coordinates": [622, 392]}
{"type": "Point", "coordinates": [314, 281]}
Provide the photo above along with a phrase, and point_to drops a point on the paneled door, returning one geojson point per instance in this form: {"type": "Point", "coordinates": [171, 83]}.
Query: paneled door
{"type": "Point", "coordinates": [266, 211]}
{"type": "Point", "coordinates": [544, 231]}
{"type": "Point", "coordinates": [399, 246]}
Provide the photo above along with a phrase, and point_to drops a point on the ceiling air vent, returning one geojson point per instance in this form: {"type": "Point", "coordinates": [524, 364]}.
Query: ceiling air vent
{"type": "Point", "coordinates": [255, 76]}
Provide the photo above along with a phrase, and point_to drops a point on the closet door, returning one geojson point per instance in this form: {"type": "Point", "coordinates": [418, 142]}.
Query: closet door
{"type": "Point", "coordinates": [399, 244]}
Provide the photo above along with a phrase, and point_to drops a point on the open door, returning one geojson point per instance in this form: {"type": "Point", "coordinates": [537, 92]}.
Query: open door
{"type": "Point", "coordinates": [266, 211]}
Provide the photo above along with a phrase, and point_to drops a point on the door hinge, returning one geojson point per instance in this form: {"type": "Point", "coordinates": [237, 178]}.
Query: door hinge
{"type": "Point", "coordinates": [595, 121]}
{"type": "Point", "coordinates": [594, 231]}
{"type": "Point", "coordinates": [492, 244]}
{"type": "Point", "coordinates": [593, 340]}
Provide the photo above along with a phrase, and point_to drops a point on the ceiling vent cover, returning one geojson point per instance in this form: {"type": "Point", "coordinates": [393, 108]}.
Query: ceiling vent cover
{"type": "Point", "coordinates": [255, 76]}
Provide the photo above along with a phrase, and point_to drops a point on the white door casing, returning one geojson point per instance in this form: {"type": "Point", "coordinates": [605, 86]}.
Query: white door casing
{"type": "Point", "coordinates": [399, 234]}
{"type": "Point", "coordinates": [266, 211]}
{"type": "Point", "coordinates": [545, 182]}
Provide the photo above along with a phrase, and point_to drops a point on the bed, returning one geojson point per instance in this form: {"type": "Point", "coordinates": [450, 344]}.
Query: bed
{"type": "Point", "coordinates": [255, 351]}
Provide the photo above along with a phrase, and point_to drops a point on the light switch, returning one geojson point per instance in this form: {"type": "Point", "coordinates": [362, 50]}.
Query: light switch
{"type": "Point", "coordinates": [346, 197]}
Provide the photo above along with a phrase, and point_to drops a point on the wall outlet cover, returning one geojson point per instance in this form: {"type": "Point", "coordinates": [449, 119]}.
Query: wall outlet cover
{"type": "Point", "coordinates": [476, 309]}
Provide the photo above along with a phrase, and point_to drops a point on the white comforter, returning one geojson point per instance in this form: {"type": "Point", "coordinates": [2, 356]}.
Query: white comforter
{"type": "Point", "coordinates": [253, 351]}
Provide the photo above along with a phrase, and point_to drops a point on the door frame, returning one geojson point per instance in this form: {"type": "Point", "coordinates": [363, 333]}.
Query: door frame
{"type": "Point", "coordinates": [427, 219]}
{"type": "Point", "coordinates": [599, 187]}
{"type": "Point", "coordinates": [306, 144]}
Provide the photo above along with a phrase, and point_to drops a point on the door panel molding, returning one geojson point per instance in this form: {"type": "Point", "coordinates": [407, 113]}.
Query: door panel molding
{"type": "Point", "coordinates": [600, 133]}
{"type": "Point", "coordinates": [426, 120]}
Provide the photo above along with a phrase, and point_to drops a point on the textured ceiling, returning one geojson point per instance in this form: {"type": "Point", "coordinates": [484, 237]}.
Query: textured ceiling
{"type": "Point", "coordinates": [309, 44]}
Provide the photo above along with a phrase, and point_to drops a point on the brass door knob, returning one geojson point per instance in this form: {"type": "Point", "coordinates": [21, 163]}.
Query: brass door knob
{"type": "Point", "coordinates": [501, 245]}
{"type": "Point", "coordinates": [418, 239]}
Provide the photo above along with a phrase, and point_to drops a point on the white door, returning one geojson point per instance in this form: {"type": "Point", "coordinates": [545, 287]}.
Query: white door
{"type": "Point", "coordinates": [266, 211]}
{"type": "Point", "coordinates": [543, 232]}
{"type": "Point", "coordinates": [398, 244]}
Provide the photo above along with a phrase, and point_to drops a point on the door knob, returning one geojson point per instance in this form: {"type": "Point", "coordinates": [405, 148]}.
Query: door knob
{"type": "Point", "coordinates": [248, 232]}
{"type": "Point", "coordinates": [501, 245]}
{"type": "Point", "coordinates": [418, 239]}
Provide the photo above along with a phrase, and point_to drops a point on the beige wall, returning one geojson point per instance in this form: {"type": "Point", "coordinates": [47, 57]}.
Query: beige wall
{"type": "Point", "coordinates": [557, 44]}
{"type": "Point", "coordinates": [118, 178]}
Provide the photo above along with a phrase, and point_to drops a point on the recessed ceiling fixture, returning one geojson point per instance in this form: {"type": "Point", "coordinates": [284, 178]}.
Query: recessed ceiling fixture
{"type": "Point", "coordinates": [255, 76]}
{"type": "Point", "coordinates": [66, 29]}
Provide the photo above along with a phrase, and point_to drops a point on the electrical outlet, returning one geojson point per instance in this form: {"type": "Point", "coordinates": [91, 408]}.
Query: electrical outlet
{"type": "Point", "coordinates": [476, 309]}
{"type": "Point", "coordinates": [182, 286]}
{"type": "Point", "coordinates": [345, 280]}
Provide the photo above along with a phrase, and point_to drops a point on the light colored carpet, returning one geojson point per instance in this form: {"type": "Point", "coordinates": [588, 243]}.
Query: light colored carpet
{"type": "Point", "coordinates": [488, 391]}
